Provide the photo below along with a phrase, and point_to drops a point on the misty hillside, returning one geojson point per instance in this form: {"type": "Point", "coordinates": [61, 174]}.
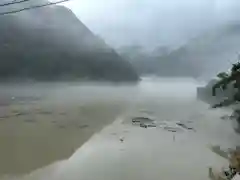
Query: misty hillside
{"type": "Point", "coordinates": [51, 43]}
{"type": "Point", "coordinates": [204, 55]}
{"type": "Point", "coordinates": [161, 61]}
{"type": "Point", "coordinates": [213, 51]}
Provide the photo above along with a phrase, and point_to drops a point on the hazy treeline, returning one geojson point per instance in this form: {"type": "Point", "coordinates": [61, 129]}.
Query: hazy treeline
{"type": "Point", "coordinates": [51, 44]}
{"type": "Point", "coordinates": [205, 55]}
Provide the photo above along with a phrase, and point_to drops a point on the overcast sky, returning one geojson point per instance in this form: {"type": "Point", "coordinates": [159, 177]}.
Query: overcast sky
{"type": "Point", "coordinates": [152, 22]}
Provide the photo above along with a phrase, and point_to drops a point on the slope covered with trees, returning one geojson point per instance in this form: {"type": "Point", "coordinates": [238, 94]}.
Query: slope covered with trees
{"type": "Point", "coordinates": [51, 43]}
{"type": "Point", "coordinates": [205, 55]}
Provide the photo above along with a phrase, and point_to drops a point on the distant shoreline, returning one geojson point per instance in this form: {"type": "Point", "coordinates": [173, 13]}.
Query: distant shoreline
{"type": "Point", "coordinates": [77, 80]}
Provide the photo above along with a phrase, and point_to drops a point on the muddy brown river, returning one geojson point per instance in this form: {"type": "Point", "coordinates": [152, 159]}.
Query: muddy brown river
{"type": "Point", "coordinates": [84, 131]}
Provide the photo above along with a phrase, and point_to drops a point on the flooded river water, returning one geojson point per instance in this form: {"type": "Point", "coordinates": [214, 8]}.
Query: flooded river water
{"type": "Point", "coordinates": [73, 131]}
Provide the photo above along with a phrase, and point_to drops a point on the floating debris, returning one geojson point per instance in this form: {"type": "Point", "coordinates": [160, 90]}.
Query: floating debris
{"type": "Point", "coordinates": [172, 128]}
{"type": "Point", "coordinates": [162, 124]}
{"type": "Point", "coordinates": [185, 126]}
{"type": "Point", "coordinates": [151, 125]}
{"type": "Point", "coordinates": [62, 126]}
{"type": "Point", "coordinates": [29, 121]}
{"type": "Point", "coordinates": [141, 119]}
{"type": "Point", "coordinates": [135, 120]}
{"type": "Point", "coordinates": [143, 125]}
{"type": "Point", "coordinates": [45, 112]}
{"type": "Point", "coordinates": [146, 111]}
{"type": "Point", "coordinates": [121, 139]}
{"type": "Point", "coordinates": [225, 117]}
{"type": "Point", "coordinates": [83, 126]}
{"type": "Point", "coordinates": [15, 114]}
{"type": "Point", "coordinates": [26, 98]}
{"type": "Point", "coordinates": [62, 113]}
{"type": "Point", "coordinates": [23, 113]}
{"type": "Point", "coordinates": [4, 116]}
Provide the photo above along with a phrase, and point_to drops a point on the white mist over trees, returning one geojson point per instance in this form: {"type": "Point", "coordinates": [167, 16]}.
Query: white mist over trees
{"type": "Point", "coordinates": [51, 43]}
{"type": "Point", "coordinates": [151, 23]}
{"type": "Point", "coordinates": [202, 36]}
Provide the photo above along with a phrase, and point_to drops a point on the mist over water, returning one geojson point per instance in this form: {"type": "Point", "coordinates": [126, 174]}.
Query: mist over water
{"type": "Point", "coordinates": [84, 130]}
{"type": "Point", "coordinates": [57, 129]}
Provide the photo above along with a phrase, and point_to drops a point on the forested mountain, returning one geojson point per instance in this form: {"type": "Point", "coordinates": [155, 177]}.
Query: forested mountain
{"type": "Point", "coordinates": [161, 61]}
{"type": "Point", "coordinates": [213, 51]}
{"type": "Point", "coordinates": [205, 55]}
{"type": "Point", "coordinates": [51, 43]}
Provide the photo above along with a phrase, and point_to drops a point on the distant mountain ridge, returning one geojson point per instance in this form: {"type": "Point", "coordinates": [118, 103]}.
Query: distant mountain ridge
{"type": "Point", "coordinates": [214, 51]}
{"type": "Point", "coordinates": [51, 43]}
{"type": "Point", "coordinates": [205, 55]}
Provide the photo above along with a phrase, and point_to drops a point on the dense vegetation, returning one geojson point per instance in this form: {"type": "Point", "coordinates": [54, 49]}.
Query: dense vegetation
{"type": "Point", "coordinates": [51, 44]}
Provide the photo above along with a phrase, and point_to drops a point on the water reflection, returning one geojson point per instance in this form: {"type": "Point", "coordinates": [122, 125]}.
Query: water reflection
{"type": "Point", "coordinates": [58, 125]}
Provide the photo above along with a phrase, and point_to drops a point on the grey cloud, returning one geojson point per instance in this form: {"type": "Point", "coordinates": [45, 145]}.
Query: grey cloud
{"type": "Point", "coordinates": [154, 22]}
